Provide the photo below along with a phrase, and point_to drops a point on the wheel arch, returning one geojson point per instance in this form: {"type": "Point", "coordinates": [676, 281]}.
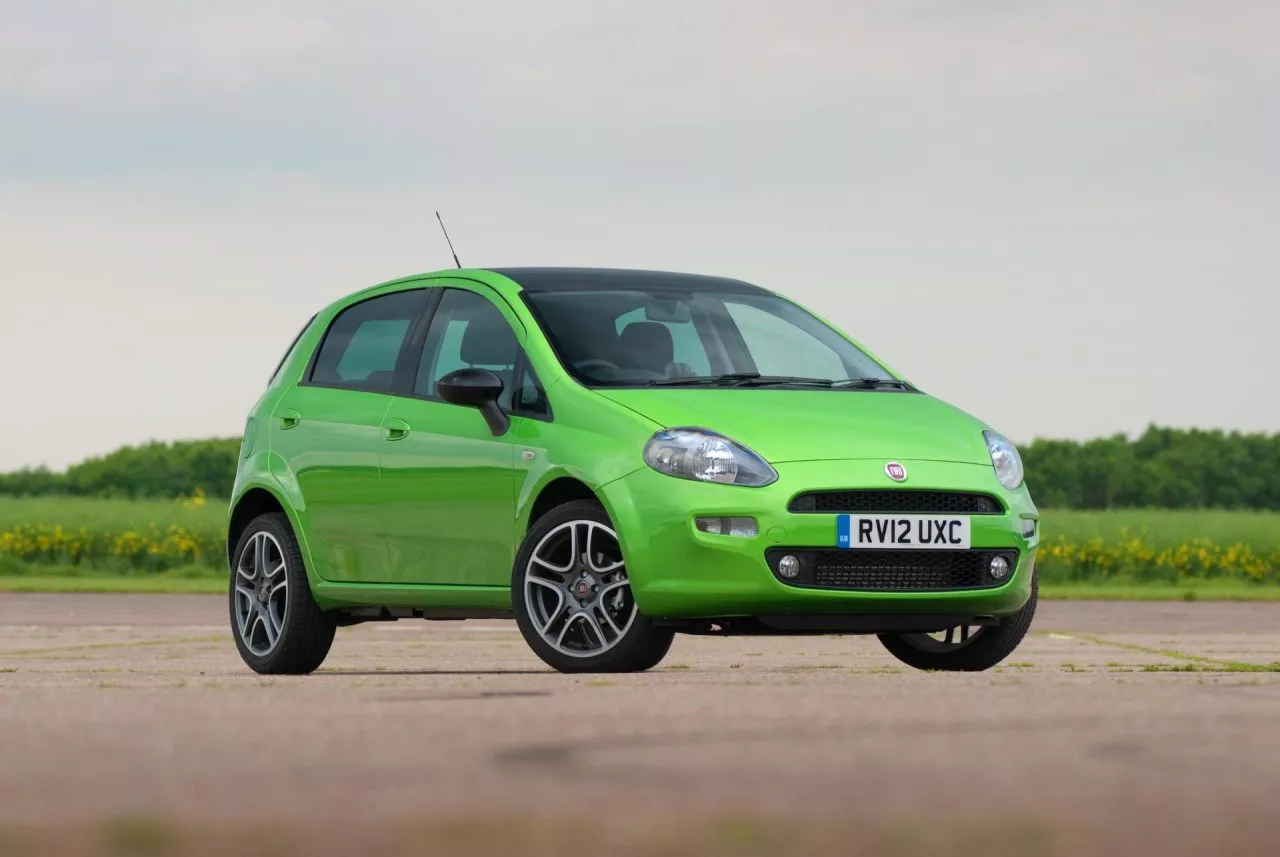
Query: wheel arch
{"type": "Point", "coordinates": [556, 491]}
{"type": "Point", "coordinates": [259, 499]}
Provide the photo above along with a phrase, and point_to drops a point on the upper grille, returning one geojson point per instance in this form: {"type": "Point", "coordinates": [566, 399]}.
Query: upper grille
{"type": "Point", "coordinates": [892, 501]}
{"type": "Point", "coordinates": [893, 570]}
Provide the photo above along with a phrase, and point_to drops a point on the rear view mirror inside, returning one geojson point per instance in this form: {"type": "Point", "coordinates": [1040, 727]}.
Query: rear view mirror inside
{"type": "Point", "coordinates": [674, 311]}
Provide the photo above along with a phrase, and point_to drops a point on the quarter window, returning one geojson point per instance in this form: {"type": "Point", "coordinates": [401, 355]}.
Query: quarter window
{"type": "Point", "coordinates": [363, 343]}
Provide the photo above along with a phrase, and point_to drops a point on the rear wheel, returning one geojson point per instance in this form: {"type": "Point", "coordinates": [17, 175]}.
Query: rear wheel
{"type": "Point", "coordinates": [278, 627]}
{"type": "Point", "coordinates": [965, 647]}
{"type": "Point", "coordinates": [573, 600]}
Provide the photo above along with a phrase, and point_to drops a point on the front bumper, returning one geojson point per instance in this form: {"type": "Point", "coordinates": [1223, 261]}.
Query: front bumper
{"type": "Point", "coordinates": [677, 571]}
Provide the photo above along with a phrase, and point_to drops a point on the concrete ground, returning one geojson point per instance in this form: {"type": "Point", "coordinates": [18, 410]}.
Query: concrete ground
{"type": "Point", "coordinates": [129, 725]}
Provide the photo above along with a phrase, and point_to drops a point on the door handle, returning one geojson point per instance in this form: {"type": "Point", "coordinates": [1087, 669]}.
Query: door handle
{"type": "Point", "coordinates": [290, 419]}
{"type": "Point", "coordinates": [394, 429]}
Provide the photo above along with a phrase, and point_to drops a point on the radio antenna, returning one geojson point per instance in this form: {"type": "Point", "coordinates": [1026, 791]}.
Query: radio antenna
{"type": "Point", "coordinates": [447, 240]}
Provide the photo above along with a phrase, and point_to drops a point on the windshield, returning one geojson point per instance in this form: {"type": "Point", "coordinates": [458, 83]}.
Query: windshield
{"type": "Point", "coordinates": [658, 337]}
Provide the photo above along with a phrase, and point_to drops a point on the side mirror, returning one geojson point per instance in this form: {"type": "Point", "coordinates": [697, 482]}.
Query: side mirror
{"type": "Point", "coordinates": [476, 388]}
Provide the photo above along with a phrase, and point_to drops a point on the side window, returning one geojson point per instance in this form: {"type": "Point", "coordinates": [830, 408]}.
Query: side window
{"type": "Point", "coordinates": [778, 347]}
{"type": "Point", "coordinates": [648, 347]}
{"type": "Point", "coordinates": [467, 331]}
{"type": "Point", "coordinates": [361, 346]}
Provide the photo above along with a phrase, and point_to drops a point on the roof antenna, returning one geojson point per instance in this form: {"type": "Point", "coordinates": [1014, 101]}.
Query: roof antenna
{"type": "Point", "coordinates": [446, 238]}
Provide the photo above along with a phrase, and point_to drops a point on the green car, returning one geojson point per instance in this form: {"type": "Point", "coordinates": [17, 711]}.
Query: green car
{"type": "Point", "coordinates": [613, 457]}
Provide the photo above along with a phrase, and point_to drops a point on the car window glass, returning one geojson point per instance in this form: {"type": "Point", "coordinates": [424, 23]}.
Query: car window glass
{"type": "Point", "coordinates": [361, 346]}
{"type": "Point", "coordinates": [778, 347]}
{"type": "Point", "coordinates": [467, 331]}
{"type": "Point", "coordinates": [529, 396]}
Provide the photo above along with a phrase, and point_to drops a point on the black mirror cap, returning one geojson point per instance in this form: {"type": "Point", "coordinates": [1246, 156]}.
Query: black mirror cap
{"type": "Point", "coordinates": [476, 388]}
{"type": "Point", "coordinates": [471, 387]}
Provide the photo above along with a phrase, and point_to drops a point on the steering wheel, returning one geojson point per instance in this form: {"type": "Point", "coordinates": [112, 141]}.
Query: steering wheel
{"type": "Point", "coordinates": [598, 362]}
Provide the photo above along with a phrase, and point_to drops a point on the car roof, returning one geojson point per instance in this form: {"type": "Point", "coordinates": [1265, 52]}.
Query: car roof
{"type": "Point", "coordinates": [578, 279]}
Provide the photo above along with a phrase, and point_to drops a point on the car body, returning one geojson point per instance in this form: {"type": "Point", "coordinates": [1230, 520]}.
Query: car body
{"type": "Point", "coordinates": [417, 434]}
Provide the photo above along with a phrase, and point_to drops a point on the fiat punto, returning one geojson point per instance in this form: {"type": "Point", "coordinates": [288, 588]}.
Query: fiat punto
{"type": "Point", "coordinates": [611, 458]}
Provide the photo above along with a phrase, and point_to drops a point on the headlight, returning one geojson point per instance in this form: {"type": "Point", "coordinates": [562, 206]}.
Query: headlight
{"type": "Point", "coordinates": [705, 456]}
{"type": "Point", "coordinates": [1005, 459]}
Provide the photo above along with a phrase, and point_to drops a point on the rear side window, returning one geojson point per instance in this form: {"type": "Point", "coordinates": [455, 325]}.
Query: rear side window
{"type": "Point", "coordinates": [362, 345]}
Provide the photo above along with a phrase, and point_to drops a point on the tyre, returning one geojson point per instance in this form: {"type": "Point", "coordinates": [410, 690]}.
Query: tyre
{"type": "Point", "coordinates": [278, 627]}
{"type": "Point", "coordinates": [572, 598]}
{"type": "Point", "coordinates": [964, 648]}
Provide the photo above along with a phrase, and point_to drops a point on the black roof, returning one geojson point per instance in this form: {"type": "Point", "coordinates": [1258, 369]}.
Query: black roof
{"type": "Point", "coordinates": [576, 279]}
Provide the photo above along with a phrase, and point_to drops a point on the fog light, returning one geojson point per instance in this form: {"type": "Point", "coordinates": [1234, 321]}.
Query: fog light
{"type": "Point", "coordinates": [999, 567]}
{"type": "Point", "coordinates": [789, 566]}
{"type": "Point", "coordinates": [743, 527]}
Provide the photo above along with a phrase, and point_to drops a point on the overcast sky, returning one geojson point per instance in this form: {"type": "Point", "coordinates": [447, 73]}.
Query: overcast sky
{"type": "Point", "coordinates": [1061, 216]}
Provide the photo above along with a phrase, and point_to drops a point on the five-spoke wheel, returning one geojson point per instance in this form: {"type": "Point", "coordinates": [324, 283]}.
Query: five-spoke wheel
{"type": "Point", "coordinates": [277, 625]}
{"type": "Point", "coordinates": [573, 599]}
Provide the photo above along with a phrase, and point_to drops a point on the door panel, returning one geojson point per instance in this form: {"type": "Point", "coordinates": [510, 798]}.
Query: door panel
{"type": "Point", "coordinates": [329, 441]}
{"type": "Point", "coordinates": [327, 432]}
{"type": "Point", "coordinates": [449, 496]}
{"type": "Point", "coordinates": [449, 483]}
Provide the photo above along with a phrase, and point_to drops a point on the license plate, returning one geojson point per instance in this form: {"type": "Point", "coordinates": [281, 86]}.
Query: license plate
{"type": "Point", "coordinates": [902, 532]}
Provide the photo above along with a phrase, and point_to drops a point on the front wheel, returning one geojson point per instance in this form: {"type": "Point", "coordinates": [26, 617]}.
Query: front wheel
{"type": "Point", "coordinates": [964, 647]}
{"type": "Point", "coordinates": [573, 600]}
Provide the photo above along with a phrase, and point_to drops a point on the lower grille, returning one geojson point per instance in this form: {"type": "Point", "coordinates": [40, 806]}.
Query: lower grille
{"type": "Point", "coordinates": [892, 570]}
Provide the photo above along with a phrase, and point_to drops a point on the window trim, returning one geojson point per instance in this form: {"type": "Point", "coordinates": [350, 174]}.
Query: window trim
{"type": "Point", "coordinates": [308, 380]}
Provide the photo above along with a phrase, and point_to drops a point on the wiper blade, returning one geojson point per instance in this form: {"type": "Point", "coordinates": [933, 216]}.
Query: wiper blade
{"type": "Point", "coordinates": [871, 384]}
{"type": "Point", "coordinates": [741, 379]}
{"type": "Point", "coordinates": [729, 379]}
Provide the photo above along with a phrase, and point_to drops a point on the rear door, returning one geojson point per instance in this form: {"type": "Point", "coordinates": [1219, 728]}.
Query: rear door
{"type": "Point", "coordinates": [449, 483]}
{"type": "Point", "coordinates": [326, 432]}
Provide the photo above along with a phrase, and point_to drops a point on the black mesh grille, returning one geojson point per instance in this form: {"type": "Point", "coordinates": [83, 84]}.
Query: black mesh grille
{"type": "Point", "coordinates": [921, 502]}
{"type": "Point", "coordinates": [893, 570]}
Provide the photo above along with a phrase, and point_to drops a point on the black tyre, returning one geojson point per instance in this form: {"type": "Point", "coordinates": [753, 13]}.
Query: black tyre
{"type": "Point", "coordinates": [573, 600]}
{"type": "Point", "coordinates": [964, 648]}
{"type": "Point", "coordinates": [278, 627]}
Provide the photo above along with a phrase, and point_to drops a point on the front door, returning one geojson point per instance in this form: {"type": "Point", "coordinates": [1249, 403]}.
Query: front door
{"type": "Point", "coordinates": [326, 434]}
{"type": "Point", "coordinates": [448, 483]}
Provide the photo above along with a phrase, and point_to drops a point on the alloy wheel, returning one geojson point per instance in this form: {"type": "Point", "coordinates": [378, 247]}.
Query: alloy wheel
{"type": "Point", "coordinates": [261, 593]}
{"type": "Point", "coordinates": [577, 590]}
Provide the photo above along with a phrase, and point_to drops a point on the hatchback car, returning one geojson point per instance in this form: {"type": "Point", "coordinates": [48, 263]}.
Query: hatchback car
{"type": "Point", "coordinates": [613, 457]}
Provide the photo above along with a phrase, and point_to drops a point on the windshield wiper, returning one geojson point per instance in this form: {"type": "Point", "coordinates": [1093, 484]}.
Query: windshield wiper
{"type": "Point", "coordinates": [871, 384]}
{"type": "Point", "coordinates": [741, 379]}
{"type": "Point", "coordinates": [729, 379]}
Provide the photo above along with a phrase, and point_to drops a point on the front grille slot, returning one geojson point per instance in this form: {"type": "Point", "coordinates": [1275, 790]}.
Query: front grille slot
{"type": "Point", "coordinates": [892, 570]}
{"type": "Point", "coordinates": [877, 501]}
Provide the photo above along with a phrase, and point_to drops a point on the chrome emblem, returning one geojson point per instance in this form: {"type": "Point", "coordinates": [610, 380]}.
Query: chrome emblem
{"type": "Point", "coordinates": [895, 471]}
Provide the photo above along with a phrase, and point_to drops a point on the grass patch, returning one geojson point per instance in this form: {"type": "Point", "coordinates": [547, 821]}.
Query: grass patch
{"type": "Point", "coordinates": [1190, 590]}
{"type": "Point", "coordinates": [153, 583]}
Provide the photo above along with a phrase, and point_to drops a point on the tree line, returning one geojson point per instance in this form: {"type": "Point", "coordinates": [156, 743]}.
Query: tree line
{"type": "Point", "coordinates": [1164, 467]}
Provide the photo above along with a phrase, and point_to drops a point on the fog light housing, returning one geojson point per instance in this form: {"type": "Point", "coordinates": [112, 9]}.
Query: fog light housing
{"type": "Point", "coordinates": [742, 527]}
{"type": "Point", "coordinates": [789, 567]}
{"type": "Point", "coordinates": [999, 567]}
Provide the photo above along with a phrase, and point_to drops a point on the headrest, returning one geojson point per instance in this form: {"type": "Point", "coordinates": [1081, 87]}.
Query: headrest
{"type": "Point", "coordinates": [488, 341]}
{"type": "Point", "coordinates": [648, 344]}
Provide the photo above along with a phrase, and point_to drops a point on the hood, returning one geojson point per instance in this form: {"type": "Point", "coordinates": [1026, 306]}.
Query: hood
{"type": "Point", "coordinates": [810, 425]}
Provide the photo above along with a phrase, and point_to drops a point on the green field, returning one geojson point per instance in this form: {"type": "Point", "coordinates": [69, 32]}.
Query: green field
{"type": "Point", "coordinates": [82, 543]}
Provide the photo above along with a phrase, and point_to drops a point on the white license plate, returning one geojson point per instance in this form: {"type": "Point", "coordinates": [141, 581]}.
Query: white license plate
{"type": "Point", "coordinates": [903, 531]}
